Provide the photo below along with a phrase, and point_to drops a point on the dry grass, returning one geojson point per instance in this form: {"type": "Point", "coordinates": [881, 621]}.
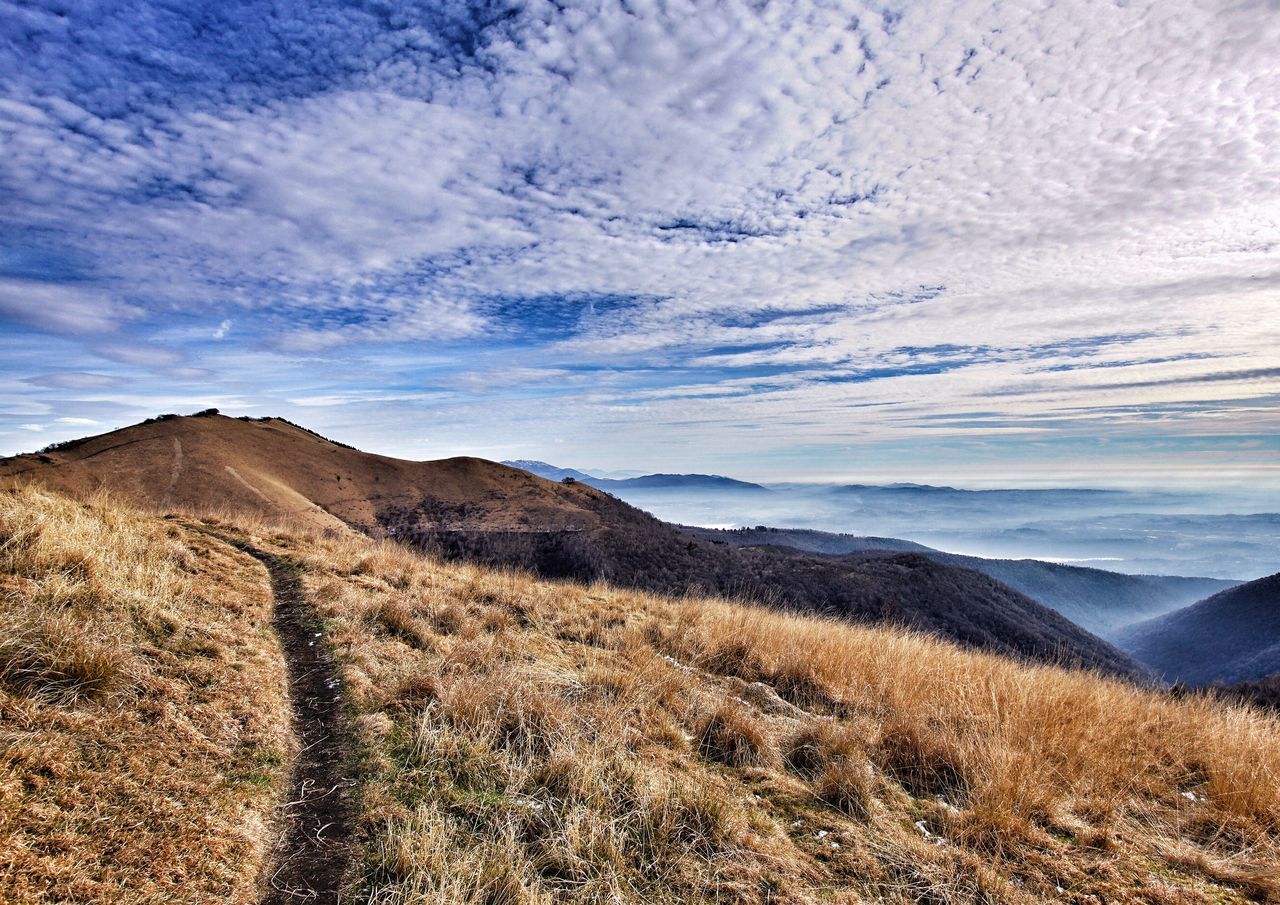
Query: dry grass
{"type": "Point", "coordinates": [526, 741]}
{"type": "Point", "coordinates": [142, 720]}
{"type": "Point", "coordinates": [603, 745]}
{"type": "Point", "coordinates": [1032, 742]}
{"type": "Point", "coordinates": [46, 655]}
{"type": "Point", "coordinates": [816, 745]}
{"type": "Point", "coordinates": [730, 734]}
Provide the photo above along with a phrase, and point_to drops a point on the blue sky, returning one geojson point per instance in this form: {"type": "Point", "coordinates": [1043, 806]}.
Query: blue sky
{"type": "Point", "coordinates": [975, 242]}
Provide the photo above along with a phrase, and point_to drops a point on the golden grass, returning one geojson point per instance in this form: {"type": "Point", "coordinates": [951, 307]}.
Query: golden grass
{"type": "Point", "coordinates": [524, 741]}
{"type": "Point", "coordinates": [534, 741]}
{"type": "Point", "coordinates": [731, 734]}
{"type": "Point", "coordinates": [1027, 741]}
{"type": "Point", "coordinates": [143, 730]}
{"type": "Point", "coordinates": [46, 655]}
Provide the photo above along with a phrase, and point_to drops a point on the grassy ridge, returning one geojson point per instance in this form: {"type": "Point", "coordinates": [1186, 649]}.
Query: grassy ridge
{"type": "Point", "coordinates": [532, 741]}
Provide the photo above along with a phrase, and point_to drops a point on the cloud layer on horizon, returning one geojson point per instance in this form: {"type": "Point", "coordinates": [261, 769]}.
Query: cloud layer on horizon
{"type": "Point", "coordinates": [798, 230]}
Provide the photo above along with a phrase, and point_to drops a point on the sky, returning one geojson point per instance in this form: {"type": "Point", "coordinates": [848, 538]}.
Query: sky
{"type": "Point", "coordinates": [979, 243]}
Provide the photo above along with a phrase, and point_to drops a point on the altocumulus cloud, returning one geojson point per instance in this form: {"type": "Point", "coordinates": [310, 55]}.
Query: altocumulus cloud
{"type": "Point", "coordinates": [827, 225]}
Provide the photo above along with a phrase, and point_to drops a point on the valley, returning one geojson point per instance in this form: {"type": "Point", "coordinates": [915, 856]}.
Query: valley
{"type": "Point", "coordinates": [1230, 534]}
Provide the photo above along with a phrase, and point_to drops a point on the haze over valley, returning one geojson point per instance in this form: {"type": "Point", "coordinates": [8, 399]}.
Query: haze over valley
{"type": "Point", "coordinates": [1214, 533]}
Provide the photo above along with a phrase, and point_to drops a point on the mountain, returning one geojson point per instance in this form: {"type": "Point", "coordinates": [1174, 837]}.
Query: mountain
{"type": "Point", "coordinates": [1233, 636]}
{"type": "Point", "coordinates": [1100, 601]}
{"type": "Point", "coordinates": [1263, 692]}
{"type": "Point", "coordinates": [1133, 531]}
{"type": "Point", "coordinates": [550, 472]}
{"type": "Point", "coordinates": [680, 482]}
{"type": "Point", "coordinates": [465, 508]}
{"type": "Point", "coordinates": [272, 467]}
{"type": "Point", "coordinates": [641, 482]}
{"type": "Point", "coordinates": [943, 492]}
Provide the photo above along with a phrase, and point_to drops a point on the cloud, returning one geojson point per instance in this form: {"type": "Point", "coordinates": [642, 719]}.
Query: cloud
{"type": "Point", "coordinates": [141, 354]}
{"type": "Point", "coordinates": [60, 308]}
{"type": "Point", "coordinates": [650, 217]}
{"type": "Point", "coordinates": [75, 380]}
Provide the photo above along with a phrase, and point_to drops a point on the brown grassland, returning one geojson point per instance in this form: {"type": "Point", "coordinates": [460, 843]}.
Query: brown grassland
{"type": "Point", "coordinates": [519, 740]}
{"type": "Point", "coordinates": [144, 729]}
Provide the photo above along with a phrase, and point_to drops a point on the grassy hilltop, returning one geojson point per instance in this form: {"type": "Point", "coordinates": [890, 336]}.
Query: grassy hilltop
{"type": "Point", "coordinates": [517, 740]}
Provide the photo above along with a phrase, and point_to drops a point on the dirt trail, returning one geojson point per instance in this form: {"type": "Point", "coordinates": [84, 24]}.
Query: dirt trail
{"type": "Point", "coordinates": [173, 477]}
{"type": "Point", "coordinates": [235, 474]}
{"type": "Point", "coordinates": [314, 847]}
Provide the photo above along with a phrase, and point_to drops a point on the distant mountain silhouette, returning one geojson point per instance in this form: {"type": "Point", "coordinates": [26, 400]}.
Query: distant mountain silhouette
{"type": "Point", "coordinates": [944, 494]}
{"type": "Point", "coordinates": [550, 472]}
{"type": "Point", "coordinates": [1100, 601]}
{"type": "Point", "coordinates": [1233, 636]}
{"type": "Point", "coordinates": [481, 511]}
{"type": "Point", "coordinates": [647, 482]}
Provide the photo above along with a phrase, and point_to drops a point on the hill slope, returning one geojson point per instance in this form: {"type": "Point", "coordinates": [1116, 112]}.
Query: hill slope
{"type": "Point", "coordinates": [1232, 636]}
{"type": "Point", "coordinates": [1099, 601]}
{"type": "Point", "coordinates": [144, 727]}
{"type": "Point", "coordinates": [272, 467]}
{"type": "Point", "coordinates": [535, 743]}
{"type": "Point", "coordinates": [807, 540]}
{"type": "Point", "coordinates": [481, 511]}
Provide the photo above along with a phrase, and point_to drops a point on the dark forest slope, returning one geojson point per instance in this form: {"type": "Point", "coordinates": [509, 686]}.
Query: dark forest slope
{"type": "Point", "coordinates": [1232, 636]}
{"type": "Point", "coordinates": [1102, 602]}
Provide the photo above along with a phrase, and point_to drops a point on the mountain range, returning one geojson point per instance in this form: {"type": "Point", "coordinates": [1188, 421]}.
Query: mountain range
{"type": "Point", "coordinates": [489, 513]}
{"type": "Point", "coordinates": [1173, 532]}
{"type": "Point", "coordinates": [474, 510]}
{"type": "Point", "coordinates": [1101, 601]}
{"type": "Point", "coordinates": [640, 482]}
{"type": "Point", "coordinates": [1161, 620]}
